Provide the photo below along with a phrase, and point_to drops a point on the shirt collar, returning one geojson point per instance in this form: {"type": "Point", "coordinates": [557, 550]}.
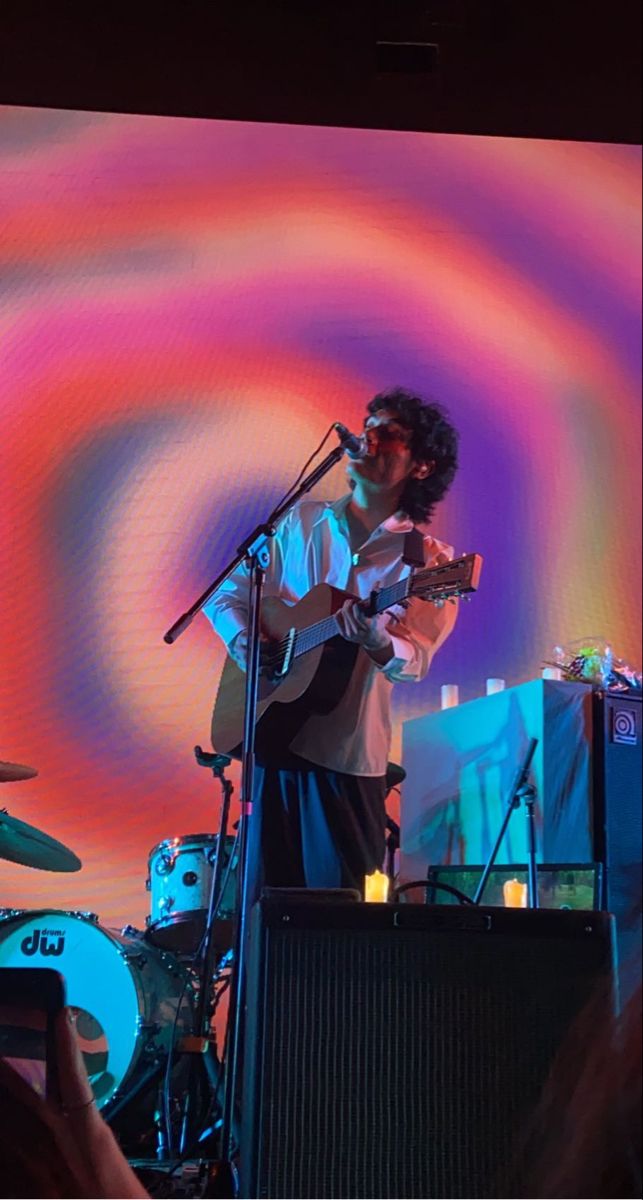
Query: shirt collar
{"type": "Point", "coordinates": [397, 523]}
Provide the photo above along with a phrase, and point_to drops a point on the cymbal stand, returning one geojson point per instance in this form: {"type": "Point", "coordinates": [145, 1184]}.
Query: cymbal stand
{"type": "Point", "coordinates": [199, 1042]}
{"type": "Point", "coordinates": [217, 764]}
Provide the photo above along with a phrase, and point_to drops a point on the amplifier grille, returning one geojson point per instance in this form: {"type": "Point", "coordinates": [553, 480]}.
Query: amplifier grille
{"type": "Point", "coordinates": [403, 1062]}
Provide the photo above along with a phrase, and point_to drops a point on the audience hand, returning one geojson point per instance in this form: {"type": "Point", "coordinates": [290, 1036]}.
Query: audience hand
{"type": "Point", "coordinates": [60, 1148]}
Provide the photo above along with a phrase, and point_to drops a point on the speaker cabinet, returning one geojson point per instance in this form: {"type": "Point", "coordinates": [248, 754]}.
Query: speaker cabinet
{"type": "Point", "coordinates": [396, 1050]}
{"type": "Point", "coordinates": [618, 833]}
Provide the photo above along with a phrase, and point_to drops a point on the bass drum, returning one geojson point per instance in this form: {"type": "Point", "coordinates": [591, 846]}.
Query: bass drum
{"type": "Point", "coordinates": [132, 1001]}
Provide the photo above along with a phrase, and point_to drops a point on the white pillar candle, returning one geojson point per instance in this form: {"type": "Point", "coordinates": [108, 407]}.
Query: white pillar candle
{"type": "Point", "coordinates": [552, 673]}
{"type": "Point", "coordinates": [495, 685]}
{"type": "Point", "coordinates": [449, 695]}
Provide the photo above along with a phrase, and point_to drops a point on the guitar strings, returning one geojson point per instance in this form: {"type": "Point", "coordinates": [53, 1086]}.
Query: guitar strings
{"type": "Point", "coordinates": [306, 639]}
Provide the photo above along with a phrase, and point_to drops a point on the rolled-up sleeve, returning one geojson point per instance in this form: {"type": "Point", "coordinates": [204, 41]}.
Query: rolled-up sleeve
{"type": "Point", "coordinates": [227, 610]}
{"type": "Point", "coordinates": [419, 630]}
{"type": "Point", "coordinates": [416, 635]}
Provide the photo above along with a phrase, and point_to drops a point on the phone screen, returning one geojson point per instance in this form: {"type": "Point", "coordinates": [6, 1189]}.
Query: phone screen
{"type": "Point", "coordinates": [23, 1043]}
{"type": "Point", "coordinates": [29, 1001]}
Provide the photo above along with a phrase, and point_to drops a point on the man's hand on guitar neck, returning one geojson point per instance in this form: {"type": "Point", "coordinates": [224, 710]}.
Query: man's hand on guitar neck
{"type": "Point", "coordinates": [355, 626]}
{"type": "Point", "coordinates": [367, 632]}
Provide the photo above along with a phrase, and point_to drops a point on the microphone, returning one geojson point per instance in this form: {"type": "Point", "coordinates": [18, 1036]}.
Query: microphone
{"type": "Point", "coordinates": [354, 444]}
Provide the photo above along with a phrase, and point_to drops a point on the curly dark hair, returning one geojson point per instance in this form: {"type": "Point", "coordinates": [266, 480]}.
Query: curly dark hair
{"type": "Point", "coordinates": [433, 439]}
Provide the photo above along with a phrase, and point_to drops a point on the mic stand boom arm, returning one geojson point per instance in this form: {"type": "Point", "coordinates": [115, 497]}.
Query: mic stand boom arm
{"type": "Point", "coordinates": [255, 551]}
{"type": "Point", "coordinates": [252, 543]}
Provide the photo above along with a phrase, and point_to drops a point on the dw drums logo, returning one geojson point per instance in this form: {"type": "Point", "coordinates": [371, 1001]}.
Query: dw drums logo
{"type": "Point", "coordinates": [41, 940]}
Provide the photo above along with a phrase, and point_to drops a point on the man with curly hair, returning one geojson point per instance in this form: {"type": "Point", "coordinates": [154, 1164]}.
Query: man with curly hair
{"type": "Point", "coordinates": [319, 817]}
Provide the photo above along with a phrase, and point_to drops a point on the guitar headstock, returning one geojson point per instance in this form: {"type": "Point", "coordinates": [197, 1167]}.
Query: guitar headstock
{"type": "Point", "coordinates": [448, 580]}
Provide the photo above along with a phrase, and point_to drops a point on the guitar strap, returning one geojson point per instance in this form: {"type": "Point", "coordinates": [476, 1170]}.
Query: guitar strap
{"type": "Point", "coordinates": [413, 552]}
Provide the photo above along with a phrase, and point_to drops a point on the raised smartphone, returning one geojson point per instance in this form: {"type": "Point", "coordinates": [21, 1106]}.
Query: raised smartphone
{"type": "Point", "coordinates": [30, 998]}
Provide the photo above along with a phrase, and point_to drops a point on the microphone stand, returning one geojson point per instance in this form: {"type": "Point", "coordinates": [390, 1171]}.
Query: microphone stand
{"type": "Point", "coordinates": [392, 844]}
{"type": "Point", "coordinates": [255, 552]}
{"type": "Point", "coordinates": [521, 789]}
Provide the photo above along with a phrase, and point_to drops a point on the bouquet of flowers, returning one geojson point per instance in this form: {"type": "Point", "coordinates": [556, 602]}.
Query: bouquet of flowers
{"type": "Point", "coordinates": [592, 660]}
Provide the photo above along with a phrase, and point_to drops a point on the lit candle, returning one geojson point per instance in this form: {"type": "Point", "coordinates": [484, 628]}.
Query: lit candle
{"type": "Point", "coordinates": [552, 673]}
{"type": "Point", "coordinates": [515, 893]}
{"type": "Point", "coordinates": [495, 685]}
{"type": "Point", "coordinates": [376, 887]}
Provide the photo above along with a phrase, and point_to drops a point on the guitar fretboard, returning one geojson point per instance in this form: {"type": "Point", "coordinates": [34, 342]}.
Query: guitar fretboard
{"type": "Point", "coordinates": [432, 583]}
{"type": "Point", "coordinates": [322, 631]}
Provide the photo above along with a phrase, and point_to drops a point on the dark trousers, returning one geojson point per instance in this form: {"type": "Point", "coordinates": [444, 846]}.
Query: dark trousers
{"type": "Point", "coordinates": [315, 828]}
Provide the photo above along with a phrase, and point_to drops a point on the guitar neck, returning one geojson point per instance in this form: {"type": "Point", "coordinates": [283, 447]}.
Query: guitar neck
{"type": "Point", "coordinates": [436, 584]}
{"type": "Point", "coordinates": [322, 631]}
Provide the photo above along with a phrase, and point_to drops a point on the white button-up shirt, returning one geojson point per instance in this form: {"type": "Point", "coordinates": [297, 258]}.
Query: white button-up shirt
{"type": "Point", "coordinates": [312, 546]}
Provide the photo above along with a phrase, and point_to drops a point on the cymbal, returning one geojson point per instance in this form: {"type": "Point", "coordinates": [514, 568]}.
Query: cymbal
{"type": "Point", "coordinates": [22, 843]}
{"type": "Point", "coordinates": [10, 772]}
{"type": "Point", "coordinates": [394, 776]}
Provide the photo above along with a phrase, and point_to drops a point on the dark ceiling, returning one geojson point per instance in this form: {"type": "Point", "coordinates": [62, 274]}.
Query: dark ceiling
{"type": "Point", "coordinates": [533, 68]}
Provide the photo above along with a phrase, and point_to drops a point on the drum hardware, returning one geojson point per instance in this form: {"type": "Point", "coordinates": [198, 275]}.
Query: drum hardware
{"type": "Point", "coordinates": [135, 957]}
{"type": "Point", "coordinates": [395, 775]}
{"type": "Point", "coordinates": [160, 1123]}
{"type": "Point", "coordinates": [185, 1178]}
{"type": "Point", "coordinates": [150, 1027]}
{"type": "Point", "coordinates": [124, 1099]}
{"type": "Point", "coordinates": [197, 1046]}
{"type": "Point", "coordinates": [165, 862]}
{"type": "Point", "coordinates": [130, 931]}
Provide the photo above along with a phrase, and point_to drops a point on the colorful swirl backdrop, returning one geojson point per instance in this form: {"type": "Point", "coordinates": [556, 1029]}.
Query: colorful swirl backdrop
{"type": "Point", "coordinates": [186, 306]}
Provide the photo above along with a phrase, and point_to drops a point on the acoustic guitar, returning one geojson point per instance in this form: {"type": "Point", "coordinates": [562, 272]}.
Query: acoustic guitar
{"type": "Point", "coordinates": [306, 664]}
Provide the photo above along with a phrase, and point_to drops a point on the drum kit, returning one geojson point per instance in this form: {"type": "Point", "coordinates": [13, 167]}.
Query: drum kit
{"type": "Point", "coordinates": [143, 996]}
{"type": "Point", "coordinates": [135, 992]}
